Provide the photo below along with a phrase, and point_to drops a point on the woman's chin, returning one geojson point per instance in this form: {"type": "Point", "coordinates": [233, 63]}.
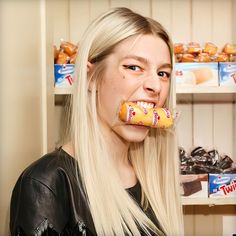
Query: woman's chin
{"type": "Point", "coordinates": [134, 133]}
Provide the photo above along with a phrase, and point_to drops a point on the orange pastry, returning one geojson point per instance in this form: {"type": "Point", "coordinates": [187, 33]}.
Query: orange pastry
{"type": "Point", "coordinates": [194, 48]}
{"type": "Point", "coordinates": [210, 48]}
{"type": "Point", "coordinates": [68, 48]}
{"type": "Point", "coordinates": [62, 58]}
{"type": "Point", "coordinates": [222, 57]}
{"type": "Point", "coordinates": [178, 48]}
{"type": "Point", "coordinates": [73, 58]}
{"type": "Point", "coordinates": [204, 57]}
{"type": "Point", "coordinates": [188, 58]}
{"type": "Point", "coordinates": [133, 114]}
{"type": "Point", "coordinates": [232, 58]}
{"type": "Point", "coordinates": [230, 49]}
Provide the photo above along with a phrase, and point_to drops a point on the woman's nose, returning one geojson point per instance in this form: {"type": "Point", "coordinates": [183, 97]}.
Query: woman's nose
{"type": "Point", "coordinates": [152, 85]}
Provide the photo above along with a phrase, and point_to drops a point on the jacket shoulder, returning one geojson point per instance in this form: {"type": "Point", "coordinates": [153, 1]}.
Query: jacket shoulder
{"type": "Point", "coordinates": [45, 164]}
{"type": "Point", "coordinates": [41, 196]}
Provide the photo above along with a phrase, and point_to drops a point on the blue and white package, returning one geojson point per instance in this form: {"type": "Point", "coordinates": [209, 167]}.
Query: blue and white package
{"type": "Point", "coordinates": [222, 185]}
{"type": "Point", "coordinates": [196, 74]}
{"type": "Point", "coordinates": [227, 73]}
{"type": "Point", "coordinates": [64, 75]}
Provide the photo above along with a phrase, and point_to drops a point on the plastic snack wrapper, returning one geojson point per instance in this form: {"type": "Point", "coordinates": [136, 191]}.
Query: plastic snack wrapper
{"type": "Point", "coordinates": [133, 114]}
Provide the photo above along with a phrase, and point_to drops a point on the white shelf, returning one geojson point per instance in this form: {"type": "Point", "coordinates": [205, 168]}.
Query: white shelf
{"type": "Point", "coordinates": [209, 201]}
{"type": "Point", "coordinates": [201, 89]}
{"type": "Point", "coordinates": [179, 90]}
{"type": "Point", "coordinates": [65, 91]}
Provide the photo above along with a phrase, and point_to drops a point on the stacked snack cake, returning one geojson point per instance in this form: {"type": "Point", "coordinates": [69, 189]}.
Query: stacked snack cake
{"type": "Point", "coordinates": [134, 114]}
{"type": "Point", "coordinates": [207, 52]}
{"type": "Point", "coordinates": [205, 64]}
{"type": "Point", "coordinates": [221, 170]}
{"type": "Point", "coordinates": [64, 60]}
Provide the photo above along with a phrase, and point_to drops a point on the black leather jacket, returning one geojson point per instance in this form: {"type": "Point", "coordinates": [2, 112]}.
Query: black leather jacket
{"type": "Point", "coordinates": [48, 200]}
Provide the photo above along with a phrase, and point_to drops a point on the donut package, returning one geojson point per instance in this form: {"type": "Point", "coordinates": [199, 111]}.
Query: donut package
{"type": "Point", "coordinates": [208, 52]}
{"type": "Point", "coordinates": [133, 114]}
{"type": "Point", "coordinates": [64, 64]}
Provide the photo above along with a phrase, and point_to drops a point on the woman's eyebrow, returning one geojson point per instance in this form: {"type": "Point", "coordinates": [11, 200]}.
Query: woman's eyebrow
{"type": "Point", "coordinates": [165, 66]}
{"type": "Point", "coordinates": [145, 60]}
{"type": "Point", "coordinates": [138, 58]}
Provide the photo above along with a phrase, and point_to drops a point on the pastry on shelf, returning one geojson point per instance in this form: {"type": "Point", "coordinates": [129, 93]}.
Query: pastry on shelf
{"type": "Point", "coordinates": [210, 48]}
{"type": "Point", "coordinates": [230, 49]}
{"type": "Point", "coordinates": [193, 48]}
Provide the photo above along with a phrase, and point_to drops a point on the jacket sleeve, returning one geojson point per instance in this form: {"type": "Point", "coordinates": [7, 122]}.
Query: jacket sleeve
{"type": "Point", "coordinates": [36, 209]}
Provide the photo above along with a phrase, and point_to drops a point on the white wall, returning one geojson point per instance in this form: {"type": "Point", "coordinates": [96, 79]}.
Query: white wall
{"type": "Point", "coordinates": [22, 93]}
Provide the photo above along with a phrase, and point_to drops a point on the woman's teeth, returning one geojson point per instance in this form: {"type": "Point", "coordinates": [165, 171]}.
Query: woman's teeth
{"type": "Point", "coordinates": [145, 104]}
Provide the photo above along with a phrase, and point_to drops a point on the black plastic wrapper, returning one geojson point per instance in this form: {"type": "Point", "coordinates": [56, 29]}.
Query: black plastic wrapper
{"type": "Point", "coordinates": [202, 162]}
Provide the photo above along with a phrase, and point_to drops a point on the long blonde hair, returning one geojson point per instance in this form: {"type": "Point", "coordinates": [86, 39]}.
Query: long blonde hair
{"type": "Point", "coordinates": [154, 160]}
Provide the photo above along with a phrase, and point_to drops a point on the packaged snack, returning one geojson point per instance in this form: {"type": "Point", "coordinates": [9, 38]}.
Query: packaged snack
{"type": "Point", "coordinates": [200, 74]}
{"type": "Point", "coordinates": [230, 49]}
{"type": "Point", "coordinates": [64, 75]}
{"type": "Point", "coordinates": [132, 113]}
{"type": "Point", "coordinates": [222, 57]}
{"type": "Point", "coordinates": [187, 57]}
{"type": "Point", "coordinates": [210, 48]}
{"type": "Point", "coordinates": [68, 48]}
{"type": "Point", "coordinates": [194, 186]}
{"type": "Point", "coordinates": [194, 48]}
{"type": "Point", "coordinates": [222, 185]}
{"type": "Point", "coordinates": [179, 48]}
{"type": "Point", "coordinates": [203, 57]}
{"type": "Point", "coordinates": [227, 73]}
{"type": "Point", "coordinates": [73, 58]}
{"type": "Point", "coordinates": [62, 58]}
{"type": "Point", "coordinates": [64, 64]}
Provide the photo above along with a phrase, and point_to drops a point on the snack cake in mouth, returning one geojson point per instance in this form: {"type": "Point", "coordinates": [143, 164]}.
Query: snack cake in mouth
{"type": "Point", "coordinates": [134, 114]}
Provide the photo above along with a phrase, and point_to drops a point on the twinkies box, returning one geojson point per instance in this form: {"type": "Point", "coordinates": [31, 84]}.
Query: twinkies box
{"type": "Point", "coordinates": [227, 73]}
{"type": "Point", "coordinates": [196, 74]}
{"type": "Point", "coordinates": [64, 75]}
{"type": "Point", "coordinates": [194, 186]}
{"type": "Point", "coordinates": [222, 185]}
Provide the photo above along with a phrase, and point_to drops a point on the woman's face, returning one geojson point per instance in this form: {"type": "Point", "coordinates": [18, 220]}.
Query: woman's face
{"type": "Point", "coordinates": [138, 70]}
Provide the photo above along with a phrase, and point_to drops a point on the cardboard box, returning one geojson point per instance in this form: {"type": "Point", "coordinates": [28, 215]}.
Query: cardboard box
{"type": "Point", "coordinates": [222, 185]}
{"type": "Point", "coordinates": [64, 75]}
{"type": "Point", "coordinates": [194, 186]}
{"type": "Point", "coordinates": [227, 73]}
{"type": "Point", "coordinates": [196, 74]}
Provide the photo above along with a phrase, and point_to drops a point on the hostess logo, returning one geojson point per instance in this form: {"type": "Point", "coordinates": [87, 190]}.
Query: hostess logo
{"type": "Point", "coordinates": [65, 69]}
{"type": "Point", "coordinates": [221, 180]}
{"type": "Point", "coordinates": [229, 68]}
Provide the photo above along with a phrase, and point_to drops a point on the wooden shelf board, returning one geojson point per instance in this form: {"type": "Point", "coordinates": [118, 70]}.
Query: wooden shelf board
{"type": "Point", "coordinates": [208, 201]}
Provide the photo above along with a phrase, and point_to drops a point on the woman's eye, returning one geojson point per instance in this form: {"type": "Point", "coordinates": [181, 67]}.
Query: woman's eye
{"type": "Point", "coordinates": [133, 67]}
{"type": "Point", "coordinates": [164, 75]}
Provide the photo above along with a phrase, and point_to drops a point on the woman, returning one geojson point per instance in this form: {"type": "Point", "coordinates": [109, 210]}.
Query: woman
{"type": "Point", "coordinates": [112, 178]}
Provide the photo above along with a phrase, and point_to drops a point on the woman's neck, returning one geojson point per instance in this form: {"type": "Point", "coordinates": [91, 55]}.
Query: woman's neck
{"type": "Point", "coordinates": [119, 152]}
{"type": "Point", "coordinates": [68, 148]}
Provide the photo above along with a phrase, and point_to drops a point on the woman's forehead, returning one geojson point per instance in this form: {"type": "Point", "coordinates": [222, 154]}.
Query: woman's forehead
{"type": "Point", "coordinates": [147, 46]}
{"type": "Point", "coordinates": [135, 41]}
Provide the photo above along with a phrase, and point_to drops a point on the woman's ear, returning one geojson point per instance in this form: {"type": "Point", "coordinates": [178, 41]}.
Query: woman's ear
{"type": "Point", "coordinates": [90, 68]}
